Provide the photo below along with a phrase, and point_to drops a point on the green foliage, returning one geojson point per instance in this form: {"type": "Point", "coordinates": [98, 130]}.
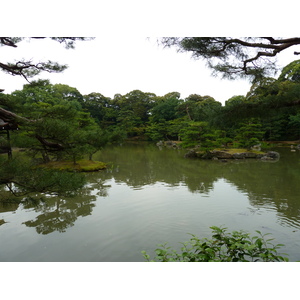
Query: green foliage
{"type": "Point", "coordinates": [249, 134]}
{"type": "Point", "coordinates": [201, 108]}
{"type": "Point", "coordinates": [165, 130]}
{"type": "Point", "coordinates": [99, 107]}
{"type": "Point", "coordinates": [237, 246]}
{"type": "Point", "coordinates": [295, 120]}
{"type": "Point", "coordinates": [233, 57]}
{"type": "Point", "coordinates": [291, 72]}
{"type": "Point", "coordinates": [191, 135]}
{"type": "Point", "coordinates": [222, 139]}
{"type": "Point", "coordinates": [275, 127]}
{"type": "Point", "coordinates": [202, 135]}
{"type": "Point", "coordinates": [235, 100]}
{"type": "Point", "coordinates": [270, 100]}
{"type": "Point", "coordinates": [166, 109]}
{"type": "Point", "coordinates": [294, 125]}
{"type": "Point", "coordinates": [61, 129]}
{"type": "Point", "coordinates": [156, 131]}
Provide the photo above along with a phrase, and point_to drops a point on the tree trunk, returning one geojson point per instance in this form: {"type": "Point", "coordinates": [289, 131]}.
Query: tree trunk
{"type": "Point", "coordinates": [9, 153]}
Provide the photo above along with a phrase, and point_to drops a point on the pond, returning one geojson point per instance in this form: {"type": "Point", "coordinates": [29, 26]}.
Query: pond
{"type": "Point", "coordinates": [150, 196]}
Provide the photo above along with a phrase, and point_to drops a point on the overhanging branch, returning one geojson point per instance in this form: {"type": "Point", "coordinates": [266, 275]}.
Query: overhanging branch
{"type": "Point", "coordinates": [9, 116]}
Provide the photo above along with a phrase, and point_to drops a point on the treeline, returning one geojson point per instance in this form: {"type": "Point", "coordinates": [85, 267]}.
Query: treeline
{"type": "Point", "coordinates": [64, 119]}
{"type": "Point", "coordinates": [269, 111]}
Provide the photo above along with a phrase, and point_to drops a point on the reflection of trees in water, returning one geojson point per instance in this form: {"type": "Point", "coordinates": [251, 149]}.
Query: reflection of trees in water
{"type": "Point", "coordinates": [139, 166]}
{"type": "Point", "coordinates": [58, 214]}
{"type": "Point", "coordinates": [271, 185]}
{"type": "Point", "coordinates": [54, 216]}
{"type": "Point", "coordinates": [8, 206]}
{"type": "Point", "coordinates": [268, 185]}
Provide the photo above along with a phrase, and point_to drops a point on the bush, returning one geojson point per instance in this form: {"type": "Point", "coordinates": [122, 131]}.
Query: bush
{"type": "Point", "coordinates": [237, 246]}
{"type": "Point", "coordinates": [249, 134]}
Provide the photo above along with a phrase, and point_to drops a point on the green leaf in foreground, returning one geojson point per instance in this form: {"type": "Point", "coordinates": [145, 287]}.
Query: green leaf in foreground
{"type": "Point", "coordinates": [237, 246]}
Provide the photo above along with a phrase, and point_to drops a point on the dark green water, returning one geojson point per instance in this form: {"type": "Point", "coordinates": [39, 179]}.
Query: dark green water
{"type": "Point", "coordinates": [150, 196]}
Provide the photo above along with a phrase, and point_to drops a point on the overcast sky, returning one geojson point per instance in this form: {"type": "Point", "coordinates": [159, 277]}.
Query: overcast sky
{"type": "Point", "coordinates": [112, 65]}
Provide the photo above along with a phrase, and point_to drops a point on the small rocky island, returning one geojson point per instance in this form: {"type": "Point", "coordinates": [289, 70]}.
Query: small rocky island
{"type": "Point", "coordinates": [225, 154]}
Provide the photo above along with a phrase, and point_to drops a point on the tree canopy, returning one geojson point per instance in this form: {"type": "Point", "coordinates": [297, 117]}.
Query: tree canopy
{"type": "Point", "coordinates": [235, 57]}
{"type": "Point", "coordinates": [29, 68]}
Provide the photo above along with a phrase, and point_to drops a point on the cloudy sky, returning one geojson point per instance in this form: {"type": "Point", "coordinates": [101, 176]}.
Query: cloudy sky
{"type": "Point", "coordinates": [119, 64]}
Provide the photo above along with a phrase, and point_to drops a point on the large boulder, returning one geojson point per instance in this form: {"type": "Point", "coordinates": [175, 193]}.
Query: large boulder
{"type": "Point", "coordinates": [191, 154]}
{"type": "Point", "coordinates": [271, 155]}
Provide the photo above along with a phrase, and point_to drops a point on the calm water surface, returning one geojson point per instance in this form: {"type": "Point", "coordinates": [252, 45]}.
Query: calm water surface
{"type": "Point", "coordinates": [150, 196]}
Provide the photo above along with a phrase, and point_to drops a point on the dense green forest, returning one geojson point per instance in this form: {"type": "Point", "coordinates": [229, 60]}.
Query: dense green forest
{"type": "Point", "coordinates": [74, 124]}
{"type": "Point", "coordinates": [69, 125]}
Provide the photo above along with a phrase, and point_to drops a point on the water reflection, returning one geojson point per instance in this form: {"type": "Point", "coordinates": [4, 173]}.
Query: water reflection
{"type": "Point", "coordinates": [273, 186]}
{"type": "Point", "coordinates": [7, 207]}
{"type": "Point", "coordinates": [57, 214]}
{"type": "Point", "coordinates": [138, 166]}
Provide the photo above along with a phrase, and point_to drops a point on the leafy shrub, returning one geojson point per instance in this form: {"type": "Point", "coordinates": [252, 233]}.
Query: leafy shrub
{"type": "Point", "coordinates": [237, 246]}
{"type": "Point", "coordinates": [249, 134]}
